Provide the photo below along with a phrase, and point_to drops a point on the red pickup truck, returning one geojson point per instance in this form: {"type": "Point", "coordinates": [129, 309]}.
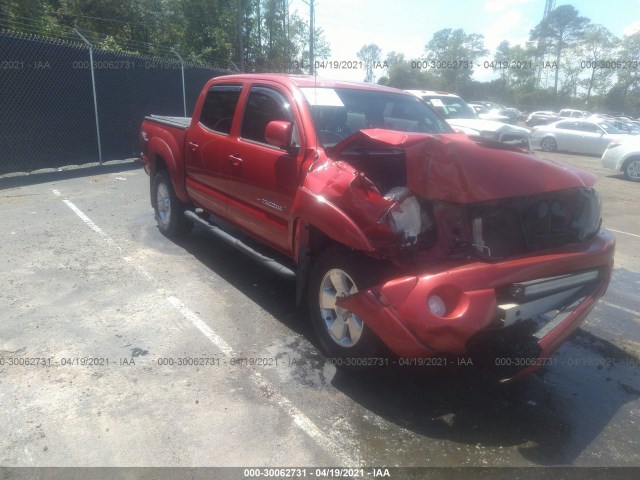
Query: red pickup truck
{"type": "Point", "coordinates": [401, 235]}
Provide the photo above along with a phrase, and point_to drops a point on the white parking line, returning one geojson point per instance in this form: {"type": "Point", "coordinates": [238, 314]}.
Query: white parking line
{"type": "Point", "coordinates": [613, 305]}
{"type": "Point", "coordinates": [343, 457]}
{"type": "Point", "coordinates": [216, 339]}
{"type": "Point", "coordinates": [625, 233]}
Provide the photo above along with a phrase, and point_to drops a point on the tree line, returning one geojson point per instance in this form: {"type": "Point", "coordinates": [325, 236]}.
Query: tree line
{"type": "Point", "coordinates": [569, 61]}
{"type": "Point", "coordinates": [254, 35]}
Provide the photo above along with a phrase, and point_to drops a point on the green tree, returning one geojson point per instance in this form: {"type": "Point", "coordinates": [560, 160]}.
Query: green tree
{"type": "Point", "coordinates": [562, 29]}
{"type": "Point", "coordinates": [627, 86]}
{"type": "Point", "coordinates": [369, 55]}
{"type": "Point", "coordinates": [461, 49]}
{"type": "Point", "coordinates": [599, 45]}
{"type": "Point", "coordinates": [502, 55]}
{"type": "Point", "coordinates": [403, 74]}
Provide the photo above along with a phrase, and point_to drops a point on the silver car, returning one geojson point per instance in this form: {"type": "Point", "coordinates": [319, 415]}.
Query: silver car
{"type": "Point", "coordinates": [463, 118]}
{"type": "Point", "coordinates": [541, 118]}
{"type": "Point", "coordinates": [576, 136]}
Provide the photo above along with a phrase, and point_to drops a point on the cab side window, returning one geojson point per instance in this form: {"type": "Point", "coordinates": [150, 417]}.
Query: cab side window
{"type": "Point", "coordinates": [264, 105]}
{"type": "Point", "coordinates": [569, 125]}
{"type": "Point", "coordinates": [590, 127]}
{"type": "Point", "coordinates": [219, 108]}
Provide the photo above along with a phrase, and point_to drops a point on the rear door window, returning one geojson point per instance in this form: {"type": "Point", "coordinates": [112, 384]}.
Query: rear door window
{"type": "Point", "coordinates": [568, 126]}
{"type": "Point", "coordinates": [219, 108]}
{"type": "Point", "coordinates": [590, 127]}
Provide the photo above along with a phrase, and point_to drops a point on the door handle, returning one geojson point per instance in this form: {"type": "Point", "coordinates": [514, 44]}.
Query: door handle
{"type": "Point", "coordinates": [194, 146]}
{"type": "Point", "coordinates": [235, 160]}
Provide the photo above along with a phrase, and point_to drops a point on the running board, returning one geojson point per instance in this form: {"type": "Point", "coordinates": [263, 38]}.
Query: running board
{"type": "Point", "coordinates": [270, 263]}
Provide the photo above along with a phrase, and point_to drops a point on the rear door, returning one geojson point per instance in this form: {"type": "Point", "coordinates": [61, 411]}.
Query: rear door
{"type": "Point", "coordinates": [264, 178]}
{"type": "Point", "coordinates": [206, 145]}
{"type": "Point", "coordinates": [568, 136]}
{"type": "Point", "coordinates": [594, 141]}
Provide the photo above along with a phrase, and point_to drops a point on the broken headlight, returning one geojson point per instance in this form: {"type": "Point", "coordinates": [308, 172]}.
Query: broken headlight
{"type": "Point", "coordinates": [405, 216]}
{"type": "Point", "coordinates": [588, 221]}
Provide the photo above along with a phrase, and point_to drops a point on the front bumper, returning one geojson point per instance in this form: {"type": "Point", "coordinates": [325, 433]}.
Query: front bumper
{"type": "Point", "coordinates": [611, 159]}
{"type": "Point", "coordinates": [398, 313]}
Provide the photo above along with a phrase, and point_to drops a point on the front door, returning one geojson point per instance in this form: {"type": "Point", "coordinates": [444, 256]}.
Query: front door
{"type": "Point", "coordinates": [263, 179]}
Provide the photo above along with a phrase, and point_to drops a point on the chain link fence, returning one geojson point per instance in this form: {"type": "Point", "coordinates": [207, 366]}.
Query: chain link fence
{"type": "Point", "coordinates": [47, 111]}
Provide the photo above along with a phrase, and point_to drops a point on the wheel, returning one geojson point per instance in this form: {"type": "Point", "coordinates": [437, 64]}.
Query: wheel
{"type": "Point", "coordinates": [548, 144]}
{"type": "Point", "coordinates": [336, 273]}
{"type": "Point", "coordinates": [631, 169]}
{"type": "Point", "coordinates": [169, 209]}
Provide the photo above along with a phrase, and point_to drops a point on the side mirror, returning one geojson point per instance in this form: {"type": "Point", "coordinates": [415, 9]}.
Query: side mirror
{"type": "Point", "coordinates": [278, 133]}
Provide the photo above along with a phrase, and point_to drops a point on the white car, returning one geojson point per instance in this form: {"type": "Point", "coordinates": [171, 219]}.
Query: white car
{"type": "Point", "coordinates": [624, 157]}
{"type": "Point", "coordinates": [569, 113]}
{"type": "Point", "coordinates": [576, 136]}
{"type": "Point", "coordinates": [464, 119]}
{"type": "Point", "coordinates": [541, 118]}
{"type": "Point", "coordinates": [485, 114]}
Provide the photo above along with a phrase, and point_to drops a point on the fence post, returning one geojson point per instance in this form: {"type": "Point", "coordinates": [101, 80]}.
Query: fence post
{"type": "Point", "coordinates": [184, 97]}
{"type": "Point", "coordinates": [95, 98]}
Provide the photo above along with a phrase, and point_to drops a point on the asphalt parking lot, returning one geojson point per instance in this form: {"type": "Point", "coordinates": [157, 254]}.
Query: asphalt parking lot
{"type": "Point", "coordinates": [120, 347]}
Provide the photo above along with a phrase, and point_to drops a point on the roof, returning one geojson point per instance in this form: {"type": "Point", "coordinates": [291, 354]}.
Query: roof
{"type": "Point", "coordinates": [305, 81]}
{"type": "Point", "coordinates": [432, 93]}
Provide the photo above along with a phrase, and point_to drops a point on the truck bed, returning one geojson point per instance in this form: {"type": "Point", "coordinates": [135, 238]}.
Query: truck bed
{"type": "Point", "coordinates": [177, 122]}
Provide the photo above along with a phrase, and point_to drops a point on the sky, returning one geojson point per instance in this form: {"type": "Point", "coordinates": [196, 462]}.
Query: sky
{"type": "Point", "coordinates": [406, 26]}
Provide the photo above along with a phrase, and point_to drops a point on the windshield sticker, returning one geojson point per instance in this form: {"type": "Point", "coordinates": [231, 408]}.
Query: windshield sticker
{"type": "Point", "coordinates": [436, 102]}
{"type": "Point", "coordinates": [326, 97]}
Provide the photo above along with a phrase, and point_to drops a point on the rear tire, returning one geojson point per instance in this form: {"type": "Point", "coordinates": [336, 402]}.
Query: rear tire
{"type": "Point", "coordinates": [168, 207]}
{"type": "Point", "coordinates": [548, 144]}
{"type": "Point", "coordinates": [631, 169]}
{"type": "Point", "coordinates": [342, 335]}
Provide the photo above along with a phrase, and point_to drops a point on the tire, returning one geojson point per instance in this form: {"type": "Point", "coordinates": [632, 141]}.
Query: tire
{"type": "Point", "coordinates": [168, 207]}
{"type": "Point", "coordinates": [548, 144]}
{"type": "Point", "coordinates": [631, 169]}
{"type": "Point", "coordinates": [334, 270]}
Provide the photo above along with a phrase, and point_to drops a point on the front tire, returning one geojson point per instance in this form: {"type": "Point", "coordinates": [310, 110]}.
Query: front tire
{"type": "Point", "coordinates": [336, 273]}
{"type": "Point", "coordinates": [168, 207]}
{"type": "Point", "coordinates": [548, 144]}
{"type": "Point", "coordinates": [631, 169]}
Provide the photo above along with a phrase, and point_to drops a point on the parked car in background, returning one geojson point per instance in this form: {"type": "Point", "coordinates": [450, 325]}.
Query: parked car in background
{"type": "Point", "coordinates": [626, 126]}
{"type": "Point", "coordinates": [569, 113]}
{"type": "Point", "coordinates": [486, 114]}
{"type": "Point", "coordinates": [576, 136]}
{"type": "Point", "coordinates": [541, 118]}
{"type": "Point", "coordinates": [463, 118]}
{"type": "Point", "coordinates": [514, 114]}
{"type": "Point", "coordinates": [600, 117]}
{"type": "Point", "coordinates": [489, 105]}
{"type": "Point", "coordinates": [624, 156]}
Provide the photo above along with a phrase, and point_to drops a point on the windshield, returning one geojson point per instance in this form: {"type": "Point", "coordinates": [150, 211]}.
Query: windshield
{"type": "Point", "coordinates": [340, 112]}
{"type": "Point", "coordinates": [451, 107]}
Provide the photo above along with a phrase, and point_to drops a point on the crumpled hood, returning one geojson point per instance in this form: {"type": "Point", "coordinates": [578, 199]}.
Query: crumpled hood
{"type": "Point", "coordinates": [458, 169]}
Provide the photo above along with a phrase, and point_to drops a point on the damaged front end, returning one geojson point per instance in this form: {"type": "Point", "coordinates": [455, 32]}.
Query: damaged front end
{"type": "Point", "coordinates": [497, 252]}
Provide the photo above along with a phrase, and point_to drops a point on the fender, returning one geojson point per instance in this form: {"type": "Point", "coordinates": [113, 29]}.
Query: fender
{"type": "Point", "coordinates": [316, 210]}
{"type": "Point", "coordinates": [159, 147]}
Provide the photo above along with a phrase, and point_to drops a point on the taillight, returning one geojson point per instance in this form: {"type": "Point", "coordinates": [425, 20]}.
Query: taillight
{"type": "Point", "coordinates": [144, 141]}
